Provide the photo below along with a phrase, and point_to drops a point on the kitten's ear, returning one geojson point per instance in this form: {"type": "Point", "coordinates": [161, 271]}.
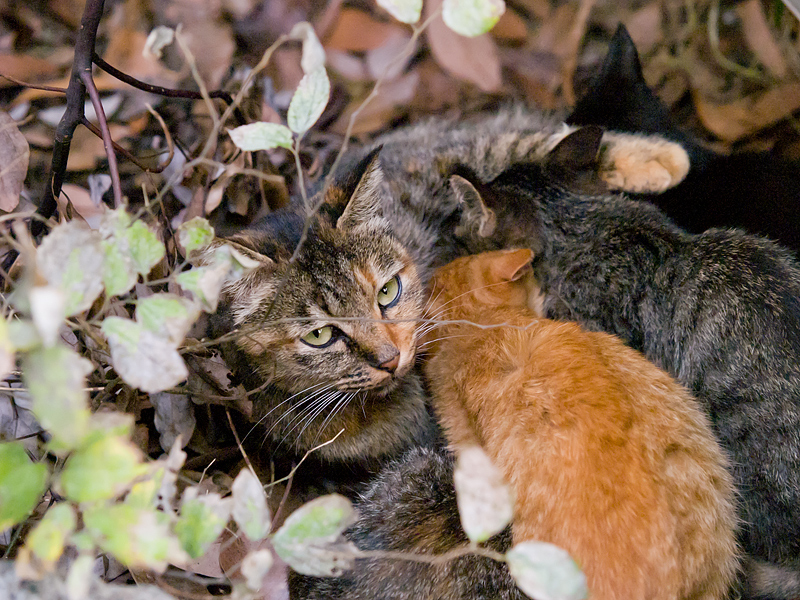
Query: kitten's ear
{"type": "Point", "coordinates": [511, 265]}
{"type": "Point", "coordinates": [474, 214]}
{"type": "Point", "coordinates": [364, 202]}
{"type": "Point", "coordinates": [591, 160]}
{"type": "Point", "coordinates": [618, 96]}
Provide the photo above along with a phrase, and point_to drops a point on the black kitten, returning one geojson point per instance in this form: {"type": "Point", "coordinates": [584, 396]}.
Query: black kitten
{"type": "Point", "coordinates": [756, 191]}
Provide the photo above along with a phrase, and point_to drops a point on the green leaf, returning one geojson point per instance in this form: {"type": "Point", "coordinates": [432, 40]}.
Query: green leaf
{"type": "Point", "coordinates": [202, 519]}
{"type": "Point", "coordinates": [406, 11]}
{"type": "Point", "coordinates": [71, 258]}
{"type": "Point", "coordinates": [206, 282]}
{"type": "Point", "coordinates": [313, 55]}
{"type": "Point", "coordinates": [472, 17]}
{"type": "Point", "coordinates": [56, 377]}
{"type": "Point", "coordinates": [145, 247]}
{"type": "Point", "coordinates": [546, 572]}
{"type": "Point", "coordinates": [144, 359]}
{"type": "Point", "coordinates": [485, 504]}
{"type": "Point", "coordinates": [119, 275]}
{"type": "Point", "coordinates": [23, 335]}
{"type": "Point", "coordinates": [47, 539]}
{"type": "Point", "coordinates": [22, 484]}
{"type": "Point", "coordinates": [261, 136]}
{"type": "Point", "coordinates": [137, 537]}
{"type": "Point", "coordinates": [196, 233]}
{"type": "Point", "coordinates": [168, 315]}
{"type": "Point", "coordinates": [250, 509]}
{"type": "Point", "coordinates": [102, 469]}
{"type": "Point", "coordinates": [310, 540]}
{"type": "Point", "coordinates": [309, 100]}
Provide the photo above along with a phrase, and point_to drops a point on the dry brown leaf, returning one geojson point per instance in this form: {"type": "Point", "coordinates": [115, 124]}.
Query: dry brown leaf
{"type": "Point", "coordinates": [70, 11]}
{"type": "Point", "coordinates": [25, 68]}
{"type": "Point", "coordinates": [87, 149]}
{"type": "Point", "coordinates": [14, 155]}
{"type": "Point", "coordinates": [510, 28]}
{"type": "Point", "coordinates": [645, 27]}
{"type": "Point", "coordinates": [82, 203]}
{"type": "Point", "coordinates": [759, 37]}
{"type": "Point", "coordinates": [474, 59]}
{"type": "Point", "coordinates": [748, 115]}
{"type": "Point", "coordinates": [382, 109]}
{"type": "Point", "coordinates": [357, 31]}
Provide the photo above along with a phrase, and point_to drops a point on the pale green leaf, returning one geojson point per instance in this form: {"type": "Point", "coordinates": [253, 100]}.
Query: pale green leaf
{"type": "Point", "coordinates": [309, 101]}
{"type": "Point", "coordinates": [255, 567]}
{"type": "Point", "coordinates": [485, 504]}
{"type": "Point", "coordinates": [6, 349]}
{"type": "Point", "coordinates": [142, 358]}
{"type": "Point", "coordinates": [313, 54]}
{"type": "Point", "coordinates": [102, 469]}
{"type": "Point", "coordinates": [119, 275]}
{"type": "Point", "coordinates": [202, 519]}
{"type": "Point", "coordinates": [48, 305]}
{"type": "Point", "coordinates": [205, 283]}
{"type": "Point", "coordinates": [250, 510]}
{"type": "Point", "coordinates": [47, 539]}
{"type": "Point", "coordinates": [168, 315]}
{"type": "Point", "coordinates": [22, 484]}
{"type": "Point", "coordinates": [145, 247]}
{"type": "Point", "coordinates": [261, 136]}
{"type": "Point", "coordinates": [71, 258]}
{"type": "Point", "coordinates": [546, 572]}
{"type": "Point", "coordinates": [195, 234]}
{"type": "Point", "coordinates": [472, 17]}
{"type": "Point", "coordinates": [23, 335]}
{"type": "Point", "coordinates": [56, 377]}
{"type": "Point", "coordinates": [137, 537]}
{"type": "Point", "coordinates": [406, 11]}
{"type": "Point", "coordinates": [310, 540]}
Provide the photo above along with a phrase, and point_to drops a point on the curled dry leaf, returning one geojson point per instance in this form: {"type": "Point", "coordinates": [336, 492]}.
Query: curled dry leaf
{"type": "Point", "coordinates": [473, 59]}
{"type": "Point", "coordinates": [14, 155]}
{"type": "Point", "coordinates": [174, 418]}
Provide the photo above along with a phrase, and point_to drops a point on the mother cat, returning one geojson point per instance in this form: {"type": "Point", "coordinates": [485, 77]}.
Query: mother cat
{"type": "Point", "coordinates": [720, 310]}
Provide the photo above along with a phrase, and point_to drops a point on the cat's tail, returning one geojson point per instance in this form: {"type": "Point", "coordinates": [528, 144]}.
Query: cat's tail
{"type": "Point", "coordinates": [770, 581]}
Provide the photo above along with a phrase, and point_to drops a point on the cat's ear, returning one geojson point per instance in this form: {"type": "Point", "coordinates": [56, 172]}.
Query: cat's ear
{"type": "Point", "coordinates": [245, 244]}
{"type": "Point", "coordinates": [364, 202]}
{"type": "Point", "coordinates": [511, 265]}
{"type": "Point", "coordinates": [475, 215]}
{"type": "Point", "coordinates": [618, 96]}
{"type": "Point", "coordinates": [589, 159]}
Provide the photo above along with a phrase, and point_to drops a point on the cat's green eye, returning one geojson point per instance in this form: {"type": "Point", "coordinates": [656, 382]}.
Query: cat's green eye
{"type": "Point", "coordinates": [318, 337]}
{"type": "Point", "coordinates": [390, 292]}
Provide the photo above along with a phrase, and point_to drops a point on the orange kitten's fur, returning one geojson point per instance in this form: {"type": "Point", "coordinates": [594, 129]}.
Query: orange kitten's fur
{"type": "Point", "coordinates": [608, 456]}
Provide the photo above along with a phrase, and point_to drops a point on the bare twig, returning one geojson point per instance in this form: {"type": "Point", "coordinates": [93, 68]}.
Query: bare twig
{"type": "Point", "coordinates": [108, 144]}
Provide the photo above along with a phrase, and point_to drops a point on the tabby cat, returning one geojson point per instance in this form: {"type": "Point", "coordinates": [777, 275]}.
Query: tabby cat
{"type": "Point", "coordinates": [719, 311]}
{"type": "Point", "coordinates": [757, 191]}
{"type": "Point", "coordinates": [608, 457]}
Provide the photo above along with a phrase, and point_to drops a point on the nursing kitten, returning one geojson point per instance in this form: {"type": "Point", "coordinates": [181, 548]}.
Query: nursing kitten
{"type": "Point", "coordinates": [757, 191]}
{"type": "Point", "coordinates": [608, 456]}
{"type": "Point", "coordinates": [720, 311]}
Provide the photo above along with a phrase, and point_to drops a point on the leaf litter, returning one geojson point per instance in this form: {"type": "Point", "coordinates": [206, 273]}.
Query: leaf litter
{"type": "Point", "coordinates": [732, 78]}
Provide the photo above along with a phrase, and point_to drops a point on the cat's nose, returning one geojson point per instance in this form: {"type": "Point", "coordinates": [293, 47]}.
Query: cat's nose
{"type": "Point", "coordinates": [391, 364]}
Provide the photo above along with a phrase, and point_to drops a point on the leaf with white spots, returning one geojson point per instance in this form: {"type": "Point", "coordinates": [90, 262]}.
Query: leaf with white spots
{"type": "Point", "coordinates": [202, 519]}
{"type": "Point", "coordinates": [142, 358]}
{"type": "Point", "coordinates": [546, 572]}
{"type": "Point", "coordinates": [472, 17]}
{"type": "Point", "coordinates": [196, 234]}
{"type": "Point", "coordinates": [261, 136]}
{"type": "Point", "coordinates": [309, 101]}
{"type": "Point", "coordinates": [311, 541]}
{"type": "Point", "coordinates": [168, 315]}
{"type": "Point", "coordinates": [484, 499]}
{"type": "Point", "coordinates": [250, 510]}
{"type": "Point", "coordinates": [71, 258]}
{"type": "Point", "coordinates": [405, 11]}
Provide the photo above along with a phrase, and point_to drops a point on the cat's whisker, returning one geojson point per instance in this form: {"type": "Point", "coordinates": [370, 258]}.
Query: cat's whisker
{"type": "Point", "coordinates": [305, 404]}
{"type": "Point", "coordinates": [344, 401]}
{"type": "Point", "coordinates": [448, 337]}
{"type": "Point", "coordinates": [311, 408]}
{"type": "Point", "coordinates": [263, 418]}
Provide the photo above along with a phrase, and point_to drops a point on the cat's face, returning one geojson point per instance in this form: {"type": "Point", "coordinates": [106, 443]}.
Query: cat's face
{"type": "Point", "coordinates": [486, 280]}
{"type": "Point", "coordinates": [331, 330]}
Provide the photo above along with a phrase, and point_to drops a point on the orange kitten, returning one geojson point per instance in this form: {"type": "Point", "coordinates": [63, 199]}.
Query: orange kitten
{"type": "Point", "coordinates": [608, 456]}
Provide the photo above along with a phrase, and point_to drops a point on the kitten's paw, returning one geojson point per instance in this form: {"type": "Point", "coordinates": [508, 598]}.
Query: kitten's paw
{"type": "Point", "coordinates": [636, 163]}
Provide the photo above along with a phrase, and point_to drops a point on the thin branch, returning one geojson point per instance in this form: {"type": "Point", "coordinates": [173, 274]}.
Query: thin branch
{"type": "Point", "coordinates": [108, 144]}
{"type": "Point", "coordinates": [33, 86]}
